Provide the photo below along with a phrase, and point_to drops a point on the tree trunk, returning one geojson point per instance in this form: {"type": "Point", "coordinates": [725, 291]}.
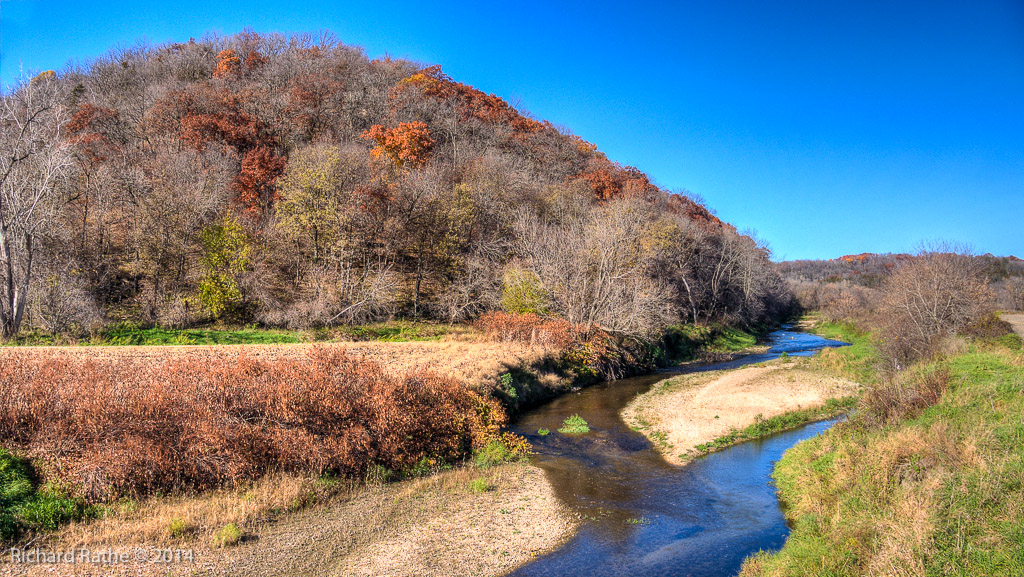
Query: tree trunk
{"type": "Point", "coordinates": [21, 293]}
{"type": "Point", "coordinates": [7, 305]}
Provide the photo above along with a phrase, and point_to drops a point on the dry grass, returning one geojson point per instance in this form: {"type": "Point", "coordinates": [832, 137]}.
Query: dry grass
{"type": "Point", "coordinates": [469, 360]}
{"type": "Point", "coordinates": [434, 526]}
{"type": "Point", "coordinates": [147, 521]}
{"type": "Point", "coordinates": [681, 413]}
{"type": "Point", "coordinates": [113, 426]}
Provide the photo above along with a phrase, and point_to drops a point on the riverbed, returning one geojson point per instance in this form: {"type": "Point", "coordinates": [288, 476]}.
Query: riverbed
{"type": "Point", "coordinates": [642, 516]}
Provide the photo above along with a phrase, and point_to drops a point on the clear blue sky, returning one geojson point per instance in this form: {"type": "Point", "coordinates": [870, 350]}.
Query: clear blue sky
{"type": "Point", "coordinates": [830, 128]}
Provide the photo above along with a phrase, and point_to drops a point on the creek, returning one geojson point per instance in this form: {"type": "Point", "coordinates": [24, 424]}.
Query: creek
{"type": "Point", "coordinates": [644, 517]}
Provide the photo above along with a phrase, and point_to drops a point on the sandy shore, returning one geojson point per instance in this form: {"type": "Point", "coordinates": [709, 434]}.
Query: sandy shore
{"type": "Point", "coordinates": [434, 526]}
{"type": "Point", "coordinates": [685, 411]}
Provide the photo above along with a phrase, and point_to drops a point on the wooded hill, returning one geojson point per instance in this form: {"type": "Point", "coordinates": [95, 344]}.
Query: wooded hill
{"type": "Point", "coordinates": [818, 282]}
{"type": "Point", "coordinates": [292, 181]}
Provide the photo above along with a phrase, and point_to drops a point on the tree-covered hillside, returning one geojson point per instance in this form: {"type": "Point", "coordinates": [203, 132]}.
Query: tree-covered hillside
{"type": "Point", "coordinates": [292, 181]}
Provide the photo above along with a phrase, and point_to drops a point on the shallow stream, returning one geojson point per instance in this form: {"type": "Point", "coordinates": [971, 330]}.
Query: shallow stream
{"type": "Point", "coordinates": [643, 516]}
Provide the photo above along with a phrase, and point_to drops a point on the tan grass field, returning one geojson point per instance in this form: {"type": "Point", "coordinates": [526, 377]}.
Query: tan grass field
{"type": "Point", "coordinates": [685, 411]}
{"type": "Point", "coordinates": [472, 362]}
{"type": "Point", "coordinates": [434, 526]}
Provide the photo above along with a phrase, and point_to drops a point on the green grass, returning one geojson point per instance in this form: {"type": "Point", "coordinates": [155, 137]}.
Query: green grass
{"type": "Point", "coordinates": [730, 339]}
{"type": "Point", "coordinates": [574, 425]}
{"type": "Point", "coordinates": [480, 485]}
{"type": "Point", "coordinates": [178, 528]}
{"type": "Point", "coordinates": [784, 422]}
{"type": "Point", "coordinates": [495, 453]}
{"type": "Point", "coordinates": [858, 362]}
{"type": "Point", "coordinates": [397, 331]}
{"type": "Point", "coordinates": [937, 493]}
{"type": "Point", "coordinates": [227, 536]}
{"type": "Point", "coordinates": [126, 334]}
{"type": "Point", "coordinates": [157, 336]}
{"type": "Point", "coordinates": [27, 507]}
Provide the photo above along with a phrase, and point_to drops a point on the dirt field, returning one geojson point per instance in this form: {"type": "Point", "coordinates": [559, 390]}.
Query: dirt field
{"type": "Point", "coordinates": [435, 526]}
{"type": "Point", "coordinates": [1016, 320]}
{"type": "Point", "coordinates": [680, 413]}
{"type": "Point", "coordinates": [473, 362]}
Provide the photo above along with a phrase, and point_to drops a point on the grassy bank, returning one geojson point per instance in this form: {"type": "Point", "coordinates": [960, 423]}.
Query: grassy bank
{"type": "Point", "coordinates": [134, 335]}
{"type": "Point", "coordinates": [912, 487]}
{"type": "Point", "coordinates": [789, 420]}
{"type": "Point", "coordinates": [681, 343]}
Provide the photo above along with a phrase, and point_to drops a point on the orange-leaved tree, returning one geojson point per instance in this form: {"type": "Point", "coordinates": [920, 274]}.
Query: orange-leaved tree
{"type": "Point", "coordinates": [407, 145]}
{"type": "Point", "coordinates": [228, 63]}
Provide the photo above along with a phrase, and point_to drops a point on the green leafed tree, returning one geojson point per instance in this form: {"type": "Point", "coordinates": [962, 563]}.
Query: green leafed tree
{"type": "Point", "coordinates": [522, 292]}
{"type": "Point", "coordinates": [315, 191]}
{"type": "Point", "coordinates": [226, 256]}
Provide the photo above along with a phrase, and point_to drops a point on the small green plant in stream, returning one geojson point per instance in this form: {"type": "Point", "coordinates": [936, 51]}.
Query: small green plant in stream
{"type": "Point", "coordinates": [574, 425]}
{"type": "Point", "coordinates": [543, 432]}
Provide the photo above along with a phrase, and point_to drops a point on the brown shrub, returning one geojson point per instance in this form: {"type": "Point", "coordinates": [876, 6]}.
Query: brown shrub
{"type": "Point", "coordinates": [527, 328]}
{"type": "Point", "coordinates": [134, 426]}
{"type": "Point", "coordinates": [903, 397]}
{"type": "Point", "coordinates": [937, 293]}
{"type": "Point", "coordinates": [585, 347]}
{"type": "Point", "coordinates": [989, 326]}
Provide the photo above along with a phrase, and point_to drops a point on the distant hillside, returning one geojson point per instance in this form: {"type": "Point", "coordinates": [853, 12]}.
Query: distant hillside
{"type": "Point", "coordinates": [849, 285]}
{"type": "Point", "coordinates": [292, 181]}
{"type": "Point", "coordinates": [870, 269]}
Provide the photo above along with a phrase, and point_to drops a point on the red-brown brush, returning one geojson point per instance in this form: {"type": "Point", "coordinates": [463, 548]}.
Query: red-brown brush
{"type": "Point", "coordinates": [106, 428]}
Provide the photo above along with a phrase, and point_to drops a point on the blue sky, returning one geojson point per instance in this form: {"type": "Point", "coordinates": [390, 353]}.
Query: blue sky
{"type": "Point", "coordinates": [830, 128]}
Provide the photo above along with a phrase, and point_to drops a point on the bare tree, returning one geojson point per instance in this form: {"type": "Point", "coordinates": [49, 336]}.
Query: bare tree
{"type": "Point", "coordinates": [595, 266]}
{"type": "Point", "coordinates": [940, 291]}
{"type": "Point", "coordinates": [34, 162]}
{"type": "Point", "coordinates": [1014, 291]}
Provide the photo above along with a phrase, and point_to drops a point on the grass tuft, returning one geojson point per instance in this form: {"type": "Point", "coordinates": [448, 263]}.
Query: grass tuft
{"type": "Point", "coordinates": [178, 528]}
{"type": "Point", "coordinates": [480, 485]}
{"type": "Point", "coordinates": [228, 536]}
{"type": "Point", "coordinates": [25, 506]}
{"type": "Point", "coordinates": [574, 425]}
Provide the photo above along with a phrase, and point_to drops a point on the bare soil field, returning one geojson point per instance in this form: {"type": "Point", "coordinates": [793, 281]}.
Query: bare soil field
{"type": "Point", "coordinates": [682, 412]}
{"type": "Point", "coordinates": [435, 526]}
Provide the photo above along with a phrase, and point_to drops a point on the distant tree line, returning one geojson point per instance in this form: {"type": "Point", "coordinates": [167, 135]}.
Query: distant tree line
{"type": "Point", "coordinates": [849, 282]}
{"type": "Point", "coordinates": [294, 182]}
{"type": "Point", "coordinates": [920, 303]}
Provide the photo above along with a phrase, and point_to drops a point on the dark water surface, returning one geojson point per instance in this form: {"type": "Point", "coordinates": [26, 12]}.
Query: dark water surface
{"type": "Point", "coordinates": [645, 517]}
